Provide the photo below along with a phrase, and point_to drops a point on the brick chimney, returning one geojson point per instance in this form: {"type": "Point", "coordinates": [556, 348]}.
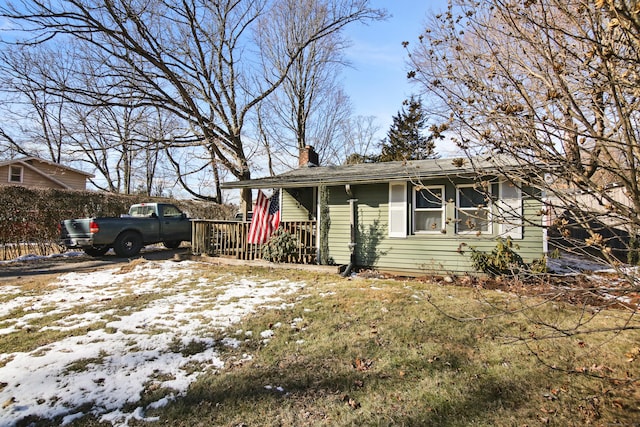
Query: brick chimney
{"type": "Point", "coordinates": [308, 157]}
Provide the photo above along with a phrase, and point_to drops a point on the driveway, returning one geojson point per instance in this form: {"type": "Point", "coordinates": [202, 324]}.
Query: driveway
{"type": "Point", "coordinates": [79, 262]}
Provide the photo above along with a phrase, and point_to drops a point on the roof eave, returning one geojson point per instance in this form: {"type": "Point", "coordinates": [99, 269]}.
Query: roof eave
{"type": "Point", "coordinates": [377, 173]}
{"type": "Point", "coordinates": [23, 160]}
{"type": "Point", "coordinates": [264, 183]}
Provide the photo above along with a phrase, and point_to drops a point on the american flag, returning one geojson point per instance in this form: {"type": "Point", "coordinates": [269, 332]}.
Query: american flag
{"type": "Point", "coordinates": [266, 217]}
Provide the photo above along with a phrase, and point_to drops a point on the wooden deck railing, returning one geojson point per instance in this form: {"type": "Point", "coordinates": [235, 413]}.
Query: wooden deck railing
{"type": "Point", "coordinates": [229, 239]}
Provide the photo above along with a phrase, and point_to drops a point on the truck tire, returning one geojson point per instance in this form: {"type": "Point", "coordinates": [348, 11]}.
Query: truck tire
{"type": "Point", "coordinates": [95, 251]}
{"type": "Point", "coordinates": [172, 244]}
{"type": "Point", "coordinates": [128, 244]}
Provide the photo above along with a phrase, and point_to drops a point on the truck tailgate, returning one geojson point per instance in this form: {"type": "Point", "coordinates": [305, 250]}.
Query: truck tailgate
{"type": "Point", "coordinates": [75, 227]}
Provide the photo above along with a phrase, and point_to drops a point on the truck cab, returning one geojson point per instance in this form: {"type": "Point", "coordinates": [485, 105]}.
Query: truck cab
{"type": "Point", "coordinates": [172, 224]}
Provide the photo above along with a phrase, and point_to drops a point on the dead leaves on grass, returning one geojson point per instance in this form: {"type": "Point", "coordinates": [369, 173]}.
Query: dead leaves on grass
{"type": "Point", "coordinates": [633, 355]}
{"type": "Point", "coordinates": [352, 403]}
{"type": "Point", "coordinates": [362, 364]}
{"type": "Point", "coordinates": [594, 369]}
{"type": "Point", "coordinates": [129, 267]}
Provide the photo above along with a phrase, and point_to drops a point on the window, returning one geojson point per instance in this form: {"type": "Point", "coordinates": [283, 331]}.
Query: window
{"type": "Point", "coordinates": [428, 213]}
{"type": "Point", "coordinates": [473, 206]}
{"type": "Point", "coordinates": [171, 212]}
{"type": "Point", "coordinates": [398, 209]}
{"type": "Point", "coordinates": [15, 173]}
{"type": "Point", "coordinates": [141, 211]}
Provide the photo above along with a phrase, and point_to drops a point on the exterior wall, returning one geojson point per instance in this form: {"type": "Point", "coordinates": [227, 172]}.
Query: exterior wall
{"type": "Point", "coordinates": [4, 176]}
{"type": "Point", "coordinates": [298, 204]}
{"type": "Point", "coordinates": [73, 179]}
{"type": "Point", "coordinates": [441, 252]}
{"type": "Point", "coordinates": [31, 178]}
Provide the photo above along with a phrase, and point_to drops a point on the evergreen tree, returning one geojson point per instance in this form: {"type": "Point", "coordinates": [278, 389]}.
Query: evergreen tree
{"type": "Point", "coordinates": [405, 139]}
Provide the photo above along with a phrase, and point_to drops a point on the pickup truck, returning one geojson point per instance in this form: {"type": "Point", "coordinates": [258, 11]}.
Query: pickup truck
{"type": "Point", "coordinates": [146, 223]}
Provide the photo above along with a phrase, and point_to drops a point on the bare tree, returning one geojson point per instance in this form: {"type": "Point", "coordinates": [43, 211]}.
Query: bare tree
{"type": "Point", "coordinates": [109, 139]}
{"type": "Point", "coordinates": [552, 85]}
{"type": "Point", "coordinates": [361, 140]}
{"type": "Point", "coordinates": [122, 145]}
{"type": "Point", "coordinates": [155, 131]}
{"type": "Point", "coordinates": [309, 108]}
{"type": "Point", "coordinates": [36, 115]}
{"type": "Point", "coordinates": [194, 59]}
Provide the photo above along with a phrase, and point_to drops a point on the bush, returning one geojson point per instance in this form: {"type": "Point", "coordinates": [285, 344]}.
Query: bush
{"type": "Point", "coordinates": [281, 247]}
{"type": "Point", "coordinates": [503, 260]}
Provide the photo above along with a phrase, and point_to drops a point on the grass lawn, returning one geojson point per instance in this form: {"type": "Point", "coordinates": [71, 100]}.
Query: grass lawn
{"type": "Point", "coordinates": [378, 352]}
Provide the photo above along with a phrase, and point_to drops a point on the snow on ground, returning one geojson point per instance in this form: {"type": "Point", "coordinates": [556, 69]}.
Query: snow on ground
{"type": "Point", "coordinates": [33, 257]}
{"type": "Point", "coordinates": [568, 263]}
{"type": "Point", "coordinates": [107, 369]}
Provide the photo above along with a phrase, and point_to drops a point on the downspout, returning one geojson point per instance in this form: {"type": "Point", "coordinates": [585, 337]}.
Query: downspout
{"type": "Point", "coordinates": [352, 223]}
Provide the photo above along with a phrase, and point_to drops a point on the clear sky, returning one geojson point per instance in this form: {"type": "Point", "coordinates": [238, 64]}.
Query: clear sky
{"type": "Point", "coordinates": [376, 80]}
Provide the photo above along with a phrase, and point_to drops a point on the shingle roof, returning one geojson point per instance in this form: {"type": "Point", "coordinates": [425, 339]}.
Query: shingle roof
{"type": "Point", "coordinates": [367, 173]}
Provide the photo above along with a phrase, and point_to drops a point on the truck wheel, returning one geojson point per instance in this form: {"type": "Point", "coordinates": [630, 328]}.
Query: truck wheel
{"type": "Point", "coordinates": [95, 251]}
{"type": "Point", "coordinates": [128, 244]}
{"type": "Point", "coordinates": [172, 244]}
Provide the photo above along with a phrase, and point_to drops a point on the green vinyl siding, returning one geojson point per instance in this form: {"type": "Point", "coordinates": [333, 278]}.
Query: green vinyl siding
{"type": "Point", "coordinates": [444, 252]}
{"type": "Point", "coordinates": [298, 204]}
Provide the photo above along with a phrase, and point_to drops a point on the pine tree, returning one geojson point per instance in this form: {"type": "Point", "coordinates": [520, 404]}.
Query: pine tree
{"type": "Point", "coordinates": [405, 139]}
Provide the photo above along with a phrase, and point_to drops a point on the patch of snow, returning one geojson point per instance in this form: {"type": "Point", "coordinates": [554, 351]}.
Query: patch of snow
{"type": "Point", "coordinates": [109, 368]}
{"type": "Point", "coordinates": [32, 257]}
{"type": "Point", "coordinates": [277, 388]}
{"type": "Point", "coordinates": [267, 334]}
{"type": "Point", "coordinates": [568, 263]}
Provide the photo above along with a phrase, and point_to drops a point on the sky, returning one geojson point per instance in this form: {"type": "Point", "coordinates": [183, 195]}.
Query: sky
{"type": "Point", "coordinates": [376, 82]}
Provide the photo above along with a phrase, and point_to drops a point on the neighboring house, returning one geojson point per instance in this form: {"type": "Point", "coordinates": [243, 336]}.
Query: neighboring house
{"type": "Point", "coordinates": [411, 218]}
{"type": "Point", "coordinates": [35, 172]}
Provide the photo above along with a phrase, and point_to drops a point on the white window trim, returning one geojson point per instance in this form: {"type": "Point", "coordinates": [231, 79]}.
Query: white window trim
{"type": "Point", "coordinates": [398, 209]}
{"type": "Point", "coordinates": [489, 229]}
{"type": "Point", "coordinates": [11, 173]}
{"type": "Point", "coordinates": [441, 209]}
{"type": "Point", "coordinates": [512, 211]}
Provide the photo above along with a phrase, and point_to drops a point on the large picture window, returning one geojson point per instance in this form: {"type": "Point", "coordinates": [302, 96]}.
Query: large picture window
{"type": "Point", "coordinates": [473, 208]}
{"type": "Point", "coordinates": [428, 213]}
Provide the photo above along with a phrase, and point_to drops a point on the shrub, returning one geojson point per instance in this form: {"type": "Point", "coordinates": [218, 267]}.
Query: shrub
{"type": "Point", "coordinates": [503, 260]}
{"type": "Point", "coordinates": [281, 247]}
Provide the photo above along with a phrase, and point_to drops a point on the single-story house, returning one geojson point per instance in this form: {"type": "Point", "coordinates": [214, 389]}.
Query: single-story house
{"type": "Point", "coordinates": [411, 218]}
{"type": "Point", "coordinates": [35, 172]}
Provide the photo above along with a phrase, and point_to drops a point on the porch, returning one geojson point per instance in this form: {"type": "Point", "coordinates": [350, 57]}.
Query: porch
{"type": "Point", "coordinates": [229, 239]}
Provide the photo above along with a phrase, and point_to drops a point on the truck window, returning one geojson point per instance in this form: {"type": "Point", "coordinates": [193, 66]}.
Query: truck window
{"type": "Point", "coordinates": [170, 211]}
{"type": "Point", "coordinates": [141, 211]}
